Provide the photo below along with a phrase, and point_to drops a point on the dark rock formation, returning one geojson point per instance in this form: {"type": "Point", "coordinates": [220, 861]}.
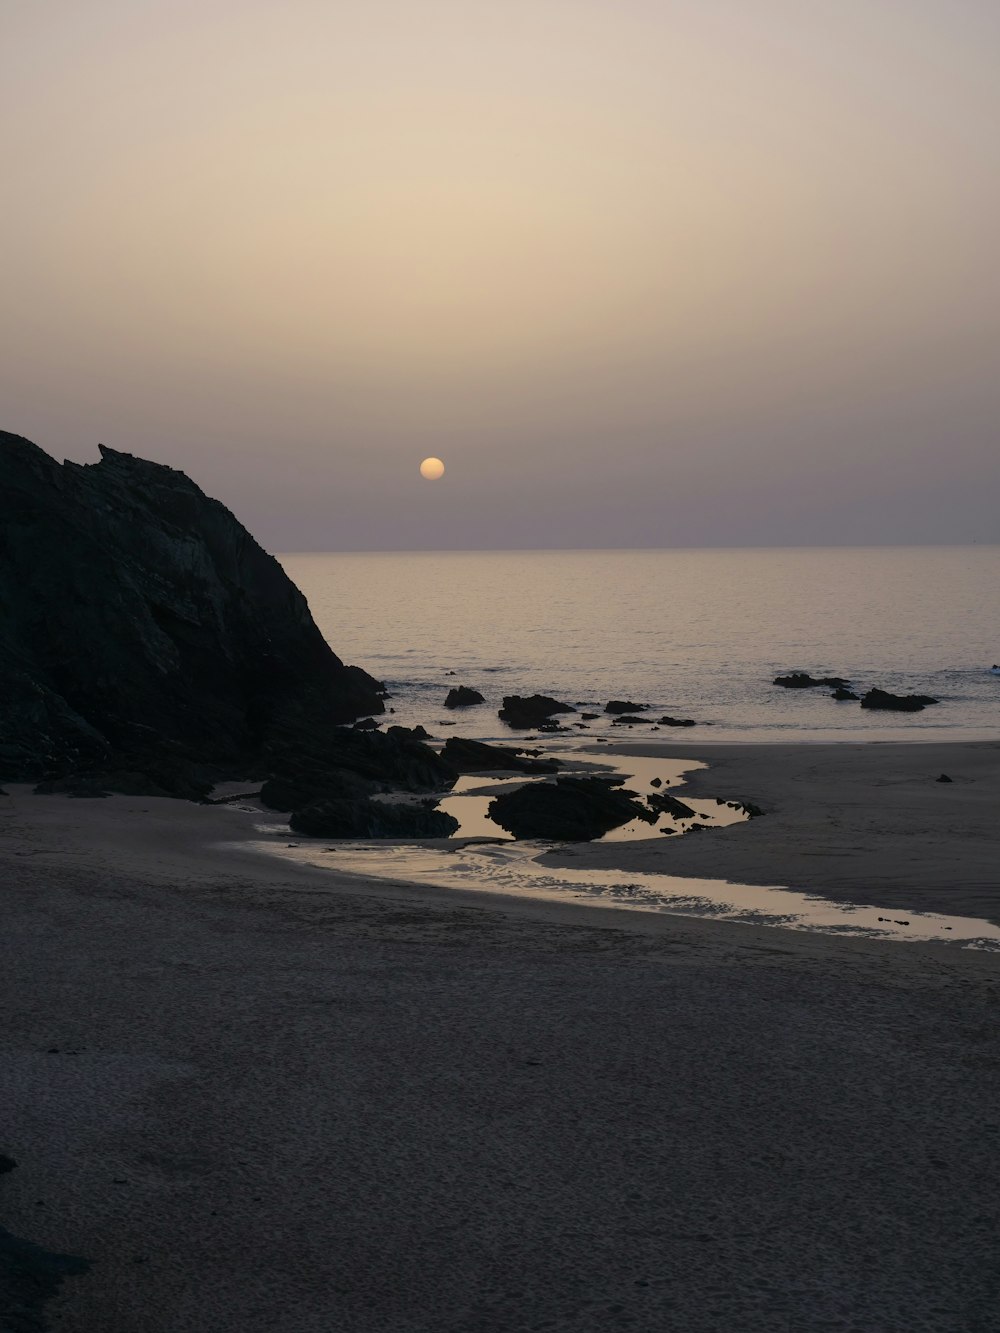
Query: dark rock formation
{"type": "Point", "coordinates": [142, 623]}
{"type": "Point", "coordinates": [527, 711]}
{"type": "Point", "coordinates": [417, 733]}
{"type": "Point", "coordinates": [801, 680]}
{"type": "Point", "coordinates": [677, 722]}
{"type": "Point", "coordinates": [356, 764]}
{"type": "Point", "coordinates": [467, 756]}
{"type": "Point", "coordinates": [336, 784]}
{"type": "Point", "coordinates": [666, 804]}
{"type": "Point", "coordinates": [372, 819]}
{"type": "Point", "coordinates": [575, 809]}
{"type": "Point", "coordinates": [628, 720]}
{"type": "Point", "coordinates": [944, 778]}
{"type": "Point", "coordinates": [842, 693]}
{"type": "Point", "coordinates": [462, 697]}
{"type": "Point", "coordinates": [623, 706]}
{"type": "Point", "coordinates": [896, 703]}
{"type": "Point", "coordinates": [589, 717]}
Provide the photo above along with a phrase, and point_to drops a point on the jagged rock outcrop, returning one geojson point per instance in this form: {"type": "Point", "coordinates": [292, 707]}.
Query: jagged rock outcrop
{"type": "Point", "coordinates": [468, 756]}
{"type": "Point", "coordinates": [666, 804]}
{"type": "Point", "coordinates": [143, 625]}
{"type": "Point", "coordinates": [575, 809]}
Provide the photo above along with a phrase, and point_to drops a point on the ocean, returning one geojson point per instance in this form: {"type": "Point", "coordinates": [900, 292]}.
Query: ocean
{"type": "Point", "coordinates": [692, 633]}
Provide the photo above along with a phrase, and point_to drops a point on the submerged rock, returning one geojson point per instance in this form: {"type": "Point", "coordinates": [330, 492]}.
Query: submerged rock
{"type": "Point", "coordinates": [573, 809]}
{"type": "Point", "coordinates": [896, 703]}
{"type": "Point", "coordinates": [462, 697]}
{"type": "Point", "coordinates": [628, 720]}
{"type": "Point", "coordinates": [624, 706]}
{"type": "Point", "coordinates": [677, 722]}
{"type": "Point", "coordinates": [372, 819]}
{"type": "Point", "coordinates": [525, 712]}
{"type": "Point", "coordinates": [842, 693]}
{"type": "Point", "coordinates": [142, 622]}
{"type": "Point", "coordinates": [468, 756]}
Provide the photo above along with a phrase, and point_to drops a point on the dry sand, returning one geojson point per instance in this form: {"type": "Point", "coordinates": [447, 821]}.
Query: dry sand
{"type": "Point", "coordinates": [259, 1096]}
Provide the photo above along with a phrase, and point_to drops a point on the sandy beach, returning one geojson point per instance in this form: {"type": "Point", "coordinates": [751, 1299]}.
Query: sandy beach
{"type": "Point", "coordinates": [257, 1095]}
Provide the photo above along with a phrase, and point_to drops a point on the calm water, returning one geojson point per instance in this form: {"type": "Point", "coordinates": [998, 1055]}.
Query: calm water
{"type": "Point", "coordinates": [695, 634]}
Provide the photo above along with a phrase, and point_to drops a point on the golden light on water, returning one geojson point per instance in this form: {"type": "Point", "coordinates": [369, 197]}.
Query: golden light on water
{"type": "Point", "coordinates": [431, 469]}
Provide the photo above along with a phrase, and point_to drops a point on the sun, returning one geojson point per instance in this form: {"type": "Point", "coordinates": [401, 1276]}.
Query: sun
{"type": "Point", "coordinates": [431, 469]}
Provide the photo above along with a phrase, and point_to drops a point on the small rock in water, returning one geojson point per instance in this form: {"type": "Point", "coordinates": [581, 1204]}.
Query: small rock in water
{"type": "Point", "coordinates": [656, 782]}
{"type": "Point", "coordinates": [623, 706]}
{"type": "Point", "coordinates": [943, 778]}
{"type": "Point", "coordinates": [462, 697]}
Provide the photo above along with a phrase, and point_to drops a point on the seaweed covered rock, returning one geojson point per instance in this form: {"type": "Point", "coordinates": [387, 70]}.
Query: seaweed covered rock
{"type": "Point", "coordinates": [142, 622]}
{"type": "Point", "coordinates": [573, 809]}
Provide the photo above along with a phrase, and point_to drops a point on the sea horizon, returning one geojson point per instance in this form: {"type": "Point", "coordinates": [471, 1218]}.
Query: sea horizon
{"type": "Point", "coordinates": [697, 633]}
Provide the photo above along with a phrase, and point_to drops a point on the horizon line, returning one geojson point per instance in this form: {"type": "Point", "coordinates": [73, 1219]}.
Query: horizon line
{"type": "Point", "coordinates": [579, 550]}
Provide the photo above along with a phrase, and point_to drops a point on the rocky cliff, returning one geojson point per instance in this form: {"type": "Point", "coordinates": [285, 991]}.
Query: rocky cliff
{"type": "Point", "coordinates": [140, 623]}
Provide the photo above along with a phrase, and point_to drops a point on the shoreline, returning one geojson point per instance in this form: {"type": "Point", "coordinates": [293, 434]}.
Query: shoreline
{"type": "Point", "coordinates": [252, 1094]}
{"type": "Point", "coordinates": [865, 823]}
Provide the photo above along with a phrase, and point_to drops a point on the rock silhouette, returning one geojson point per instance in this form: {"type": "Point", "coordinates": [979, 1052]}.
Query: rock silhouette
{"type": "Point", "coordinates": [372, 819]}
{"type": "Point", "coordinates": [896, 703]}
{"type": "Point", "coordinates": [468, 756]}
{"type": "Point", "coordinates": [462, 697]}
{"type": "Point", "coordinates": [524, 712]}
{"type": "Point", "coordinates": [801, 680]}
{"type": "Point", "coordinates": [575, 809]}
{"type": "Point", "coordinates": [144, 629]}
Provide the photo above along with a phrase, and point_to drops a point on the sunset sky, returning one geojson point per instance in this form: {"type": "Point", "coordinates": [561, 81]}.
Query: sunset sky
{"type": "Point", "coordinates": [643, 273]}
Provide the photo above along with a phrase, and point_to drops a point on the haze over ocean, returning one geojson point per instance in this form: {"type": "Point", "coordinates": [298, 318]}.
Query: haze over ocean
{"type": "Point", "coordinates": [694, 633]}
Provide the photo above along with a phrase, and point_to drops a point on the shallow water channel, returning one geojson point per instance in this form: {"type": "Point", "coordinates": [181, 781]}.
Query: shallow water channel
{"type": "Point", "coordinates": [482, 857]}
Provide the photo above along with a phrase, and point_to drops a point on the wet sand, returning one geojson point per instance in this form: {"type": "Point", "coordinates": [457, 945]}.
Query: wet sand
{"type": "Point", "coordinates": [857, 823]}
{"type": "Point", "coordinates": [256, 1095]}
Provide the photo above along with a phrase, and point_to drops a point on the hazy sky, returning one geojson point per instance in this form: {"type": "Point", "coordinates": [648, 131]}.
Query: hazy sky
{"type": "Point", "coordinates": [642, 272]}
